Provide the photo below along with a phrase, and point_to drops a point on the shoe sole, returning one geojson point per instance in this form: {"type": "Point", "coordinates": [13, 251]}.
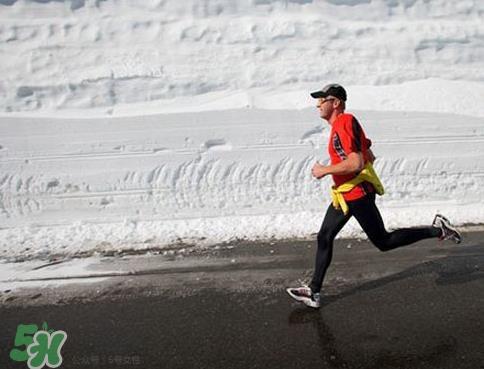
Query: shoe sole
{"type": "Point", "coordinates": [456, 237]}
{"type": "Point", "coordinates": [305, 300]}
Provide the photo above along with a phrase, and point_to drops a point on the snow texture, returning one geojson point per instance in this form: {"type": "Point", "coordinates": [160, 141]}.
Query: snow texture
{"type": "Point", "coordinates": [138, 125]}
{"type": "Point", "coordinates": [101, 54]}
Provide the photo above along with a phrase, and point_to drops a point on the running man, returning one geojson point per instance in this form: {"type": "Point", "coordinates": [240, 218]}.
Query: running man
{"type": "Point", "coordinates": [355, 187]}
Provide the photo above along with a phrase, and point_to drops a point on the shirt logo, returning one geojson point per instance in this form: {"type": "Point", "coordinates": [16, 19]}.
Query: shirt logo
{"type": "Point", "coordinates": [338, 147]}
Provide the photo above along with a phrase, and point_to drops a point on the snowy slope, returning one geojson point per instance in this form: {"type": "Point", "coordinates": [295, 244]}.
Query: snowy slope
{"type": "Point", "coordinates": [133, 125]}
{"type": "Point", "coordinates": [101, 54]}
{"type": "Point", "coordinates": [81, 185]}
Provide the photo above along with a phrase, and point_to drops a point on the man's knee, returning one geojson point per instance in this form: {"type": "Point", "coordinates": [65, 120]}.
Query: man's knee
{"type": "Point", "coordinates": [381, 244]}
{"type": "Point", "coordinates": [325, 238]}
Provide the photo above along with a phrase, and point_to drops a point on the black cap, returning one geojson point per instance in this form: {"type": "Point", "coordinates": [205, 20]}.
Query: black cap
{"type": "Point", "coordinates": [333, 89]}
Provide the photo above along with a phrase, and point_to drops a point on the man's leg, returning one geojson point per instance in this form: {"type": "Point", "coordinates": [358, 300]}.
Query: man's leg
{"type": "Point", "coordinates": [369, 218]}
{"type": "Point", "coordinates": [333, 222]}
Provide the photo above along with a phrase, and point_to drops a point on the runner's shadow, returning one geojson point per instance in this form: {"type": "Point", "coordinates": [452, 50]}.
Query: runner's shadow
{"type": "Point", "coordinates": [462, 265]}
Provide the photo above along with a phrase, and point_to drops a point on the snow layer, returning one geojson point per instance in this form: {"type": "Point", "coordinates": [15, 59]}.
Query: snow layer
{"type": "Point", "coordinates": [38, 274]}
{"type": "Point", "coordinates": [100, 54]}
{"type": "Point", "coordinates": [143, 124]}
{"type": "Point", "coordinates": [72, 186]}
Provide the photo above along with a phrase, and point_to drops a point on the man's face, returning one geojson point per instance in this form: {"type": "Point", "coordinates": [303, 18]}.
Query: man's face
{"type": "Point", "coordinates": [326, 107]}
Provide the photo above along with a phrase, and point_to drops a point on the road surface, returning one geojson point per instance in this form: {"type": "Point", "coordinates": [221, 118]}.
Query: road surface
{"type": "Point", "coordinates": [421, 306]}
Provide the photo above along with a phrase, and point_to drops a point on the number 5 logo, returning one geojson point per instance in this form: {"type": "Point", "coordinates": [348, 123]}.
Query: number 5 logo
{"type": "Point", "coordinates": [42, 346]}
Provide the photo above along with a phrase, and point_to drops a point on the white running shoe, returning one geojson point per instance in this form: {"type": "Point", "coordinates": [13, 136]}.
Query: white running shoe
{"type": "Point", "coordinates": [449, 232]}
{"type": "Point", "coordinates": [305, 295]}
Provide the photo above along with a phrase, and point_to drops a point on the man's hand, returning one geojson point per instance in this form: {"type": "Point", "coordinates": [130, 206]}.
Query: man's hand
{"type": "Point", "coordinates": [319, 171]}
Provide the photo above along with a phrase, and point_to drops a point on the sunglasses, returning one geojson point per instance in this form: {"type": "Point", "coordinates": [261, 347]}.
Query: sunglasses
{"type": "Point", "coordinates": [321, 101]}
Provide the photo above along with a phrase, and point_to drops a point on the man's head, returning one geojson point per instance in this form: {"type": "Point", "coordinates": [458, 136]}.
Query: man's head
{"type": "Point", "coordinates": [331, 100]}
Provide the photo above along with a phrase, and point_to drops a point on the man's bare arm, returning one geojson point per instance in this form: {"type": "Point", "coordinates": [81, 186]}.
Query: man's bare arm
{"type": "Point", "coordinates": [353, 164]}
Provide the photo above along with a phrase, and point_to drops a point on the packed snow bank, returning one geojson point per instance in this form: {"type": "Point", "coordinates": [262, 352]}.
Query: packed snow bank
{"type": "Point", "coordinates": [71, 186]}
{"type": "Point", "coordinates": [199, 123]}
{"type": "Point", "coordinates": [102, 54]}
{"type": "Point", "coordinates": [430, 95]}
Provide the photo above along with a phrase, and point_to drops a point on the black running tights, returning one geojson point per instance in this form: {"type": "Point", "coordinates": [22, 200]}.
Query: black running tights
{"type": "Point", "coordinates": [370, 220]}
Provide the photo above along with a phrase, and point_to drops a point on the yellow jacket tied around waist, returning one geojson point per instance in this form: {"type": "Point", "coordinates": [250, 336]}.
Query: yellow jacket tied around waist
{"type": "Point", "coordinates": [368, 174]}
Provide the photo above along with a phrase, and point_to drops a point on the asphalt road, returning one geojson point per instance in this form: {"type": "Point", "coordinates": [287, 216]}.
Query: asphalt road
{"type": "Point", "coordinates": [417, 307]}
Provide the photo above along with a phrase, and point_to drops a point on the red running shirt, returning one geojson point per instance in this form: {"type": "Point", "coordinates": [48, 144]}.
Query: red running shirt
{"type": "Point", "coordinates": [346, 137]}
